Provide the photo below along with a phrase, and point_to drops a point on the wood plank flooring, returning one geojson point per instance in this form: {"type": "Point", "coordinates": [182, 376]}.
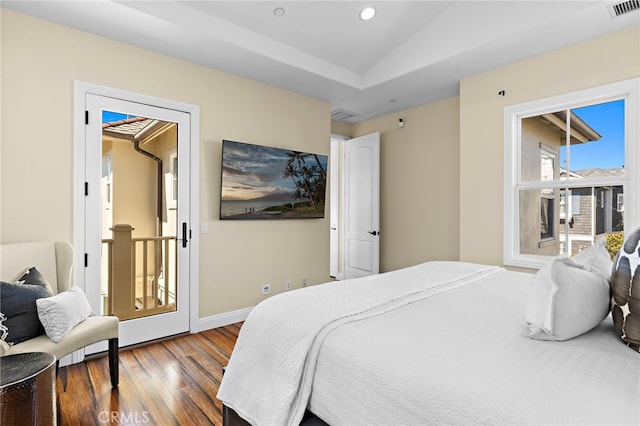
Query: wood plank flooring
{"type": "Point", "coordinates": [171, 382]}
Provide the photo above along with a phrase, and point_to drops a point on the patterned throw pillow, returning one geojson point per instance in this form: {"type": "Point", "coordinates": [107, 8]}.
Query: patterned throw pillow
{"type": "Point", "coordinates": [625, 291]}
{"type": "Point", "coordinates": [34, 277]}
{"type": "Point", "coordinates": [4, 332]}
{"type": "Point", "coordinates": [18, 304]}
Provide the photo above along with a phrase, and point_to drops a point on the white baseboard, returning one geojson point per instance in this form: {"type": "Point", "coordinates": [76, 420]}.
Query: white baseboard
{"type": "Point", "coordinates": [220, 320]}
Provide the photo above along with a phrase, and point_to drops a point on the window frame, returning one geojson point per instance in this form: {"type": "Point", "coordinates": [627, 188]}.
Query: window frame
{"type": "Point", "coordinates": [629, 90]}
{"type": "Point", "coordinates": [620, 202]}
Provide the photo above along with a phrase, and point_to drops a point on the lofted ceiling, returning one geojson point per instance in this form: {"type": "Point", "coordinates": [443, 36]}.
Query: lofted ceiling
{"type": "Point", "coordinates": [410, 53]}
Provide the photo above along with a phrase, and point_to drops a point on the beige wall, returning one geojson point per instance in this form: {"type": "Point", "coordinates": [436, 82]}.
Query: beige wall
{"type": "Point", "coordinates": [340, 128]}
{"type": "Point", "coordinates": [600, 61]}
{"type": "Point", "coordinates": [40, 61]}
{"type": "Point", "coordinates": [418, 184]}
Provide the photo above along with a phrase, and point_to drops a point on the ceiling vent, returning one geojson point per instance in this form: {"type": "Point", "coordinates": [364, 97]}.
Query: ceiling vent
{"type": "Point", "coordinates": [342, 114]}
{"type": "Point", "coordinates": [622, 7]}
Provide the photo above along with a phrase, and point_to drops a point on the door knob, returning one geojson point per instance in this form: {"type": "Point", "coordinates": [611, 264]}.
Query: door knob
{"type": "Point", "coordinates": [374, 233]}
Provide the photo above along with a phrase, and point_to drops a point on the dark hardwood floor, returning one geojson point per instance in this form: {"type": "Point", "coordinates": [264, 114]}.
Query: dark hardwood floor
{"type": "Point", "coordinates": [170, 382]}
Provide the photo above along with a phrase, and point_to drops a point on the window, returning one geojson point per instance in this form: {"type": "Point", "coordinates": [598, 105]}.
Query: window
{"type": "Point", "coordinates": [575, 203]}
{"type": "Point", "coordinates": [564, 159]}
{"type": "Point", "coordinates": [546, 215]}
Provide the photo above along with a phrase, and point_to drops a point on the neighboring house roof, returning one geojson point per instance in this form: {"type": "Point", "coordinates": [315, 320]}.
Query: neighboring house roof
{"type": "Point", "coordinates": [581, 132]}
{"type": "Point", "coordinates": [140, 129]}
{"type": "Point", "coordinates": [572, 175]}
{"type": "Point", "coordinates": [598, 172]}
{"type": "Point", "coordinates": [126, 128]}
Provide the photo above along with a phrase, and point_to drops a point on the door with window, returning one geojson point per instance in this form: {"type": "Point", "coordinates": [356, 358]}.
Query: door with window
{"type": "Point", "coordinates": [137, 217]}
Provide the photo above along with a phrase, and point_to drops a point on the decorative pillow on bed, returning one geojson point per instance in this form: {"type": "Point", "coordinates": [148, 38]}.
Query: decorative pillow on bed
{"type": "Point", "coordinates": [60, 313]}
{"type": "Point", "coordinates": [569, 296]}
{"type": "Point", "coordinates": [4, 332]}
{"type": "Point", "coordinates": [625, 291]}
{"type": "Point", "coordinates": [18, 304]}
{"type": "Point", "coordinates": [596, 258]}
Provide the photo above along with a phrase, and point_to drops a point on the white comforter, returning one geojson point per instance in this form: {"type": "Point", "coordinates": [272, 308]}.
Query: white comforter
{"type": "Point", "coordinates": [461, 359]}
{"type": "Point", "coordinates": [269, 377]}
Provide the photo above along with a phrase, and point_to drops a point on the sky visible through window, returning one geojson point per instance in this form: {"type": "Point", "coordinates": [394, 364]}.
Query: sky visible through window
{"type": "Point", "coordinates": [606, 153]}
{"type": "Point", "coordinates": [109, 116]}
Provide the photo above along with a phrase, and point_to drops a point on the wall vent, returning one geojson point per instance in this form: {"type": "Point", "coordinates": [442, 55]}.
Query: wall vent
{"type": "Point", "coordinates": [342, 114]}
{"type": "Point", "coordinates": [622, 7]}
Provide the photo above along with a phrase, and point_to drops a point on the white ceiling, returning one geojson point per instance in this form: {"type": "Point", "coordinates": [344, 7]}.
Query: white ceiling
{"type": "Point", "coordinates": [410, 53]}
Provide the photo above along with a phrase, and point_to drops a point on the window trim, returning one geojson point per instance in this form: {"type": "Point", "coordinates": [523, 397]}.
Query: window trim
{"type": "Point", "coordinates": [629, 90]}
{"type": "Point", "coordinates": [620, 202]}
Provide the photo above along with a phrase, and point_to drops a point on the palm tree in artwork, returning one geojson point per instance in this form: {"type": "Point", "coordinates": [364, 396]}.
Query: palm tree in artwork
{"type": "Point", "coordinates": [299, 179]}
{"type": "Point", "coordinates": [290, 172]}
{"type": "Point", "coordinates": [322, 171]}
{"type": "Point", "coordinates": [317, 178]}
{"type": "Point", "coordinates": [297, 157]}
{"type": "Point", "coordinates": [297, 194]}
{"type": "Point", "coordinates": [300, 158]}
{"type": "Point", "coordinates": [308, 180]}
{"type": "Point", "coordinates": [307, 175]}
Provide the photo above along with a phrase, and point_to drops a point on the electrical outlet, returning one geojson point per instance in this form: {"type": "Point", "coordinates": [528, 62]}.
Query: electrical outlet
{"type": "Point", "coordinates": [287, 285]}
{"type": "Point", "coordinates": [266, 289]}
{"type": "Point", "coordinates": [304, 282]}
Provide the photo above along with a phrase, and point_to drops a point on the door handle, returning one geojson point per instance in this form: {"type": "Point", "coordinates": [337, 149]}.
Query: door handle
{"type": "Point", "coordinates": [184, 234]}
{"type": "Point", "coordinates": [374, 233]}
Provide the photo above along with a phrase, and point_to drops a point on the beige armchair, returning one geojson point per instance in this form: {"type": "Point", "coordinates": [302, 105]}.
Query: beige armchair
{"type": "Point", "coordinates": [54, 260]}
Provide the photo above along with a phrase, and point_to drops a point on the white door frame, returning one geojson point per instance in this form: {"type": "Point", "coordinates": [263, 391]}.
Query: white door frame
{"type": "Point", "coordinates": [336, 261]}
{"type": "Point", "coordinates": [81, 90]}
{"type": "Point", "coordinates": [340, 204]}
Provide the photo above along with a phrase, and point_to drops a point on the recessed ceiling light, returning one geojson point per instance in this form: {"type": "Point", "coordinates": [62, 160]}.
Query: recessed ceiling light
{"type": "Point", "coordinates": [279, 12]}
{"type": "Point", "coordinates": [367, 13]}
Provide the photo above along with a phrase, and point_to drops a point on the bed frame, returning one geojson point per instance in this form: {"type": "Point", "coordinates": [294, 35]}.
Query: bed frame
{"type": "Point", "coordinates": [231, 418]}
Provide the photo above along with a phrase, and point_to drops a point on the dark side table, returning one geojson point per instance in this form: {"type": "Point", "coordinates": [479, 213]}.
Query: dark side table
{"type": "Point", "coordinates": [28, 389]}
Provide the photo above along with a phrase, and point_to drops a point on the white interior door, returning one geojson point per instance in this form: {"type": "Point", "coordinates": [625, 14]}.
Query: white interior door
{"type": "Point", "coordinates": [161, 323]}
{"type": "Point", "coordinates": [361, 206]}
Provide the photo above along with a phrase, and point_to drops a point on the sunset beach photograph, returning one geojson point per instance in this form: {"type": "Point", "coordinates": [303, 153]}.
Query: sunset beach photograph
{"type": "Point", "coordinates": [261, 183]}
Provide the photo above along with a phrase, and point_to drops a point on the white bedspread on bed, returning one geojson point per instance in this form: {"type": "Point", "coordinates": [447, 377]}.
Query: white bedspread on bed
{"type": "Point", "coordinates": [269, 376]}
{"type": "Point", "coordinates": [460, 358]}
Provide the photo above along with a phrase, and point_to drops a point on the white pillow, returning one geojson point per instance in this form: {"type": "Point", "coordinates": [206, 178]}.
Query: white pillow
{"type": "Point", "coordinates": [60, 313]}
{"type": "Point", "coordinates": [596, 259]}
{"type": "Point", "coordinates": [568, 297]}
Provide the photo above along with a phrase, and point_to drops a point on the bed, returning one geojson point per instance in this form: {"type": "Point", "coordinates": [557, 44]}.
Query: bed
{"type": "Point", "coordinates": [435, 343]}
